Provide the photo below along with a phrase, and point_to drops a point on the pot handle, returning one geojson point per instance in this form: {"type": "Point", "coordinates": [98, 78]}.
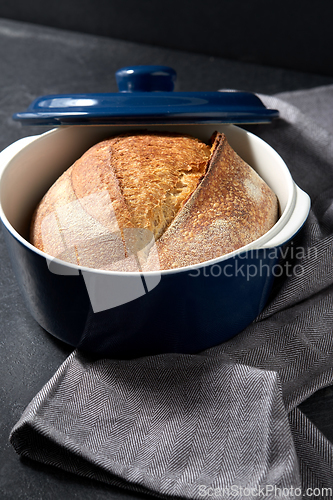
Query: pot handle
{"type": "Point", "coordinates": [295, 222]}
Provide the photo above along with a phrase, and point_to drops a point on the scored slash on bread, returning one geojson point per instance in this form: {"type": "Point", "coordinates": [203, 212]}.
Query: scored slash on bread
{"type": "Point", "coordinates": [231, 207]}
{"type": "Point", "coordinates": [197, 202]}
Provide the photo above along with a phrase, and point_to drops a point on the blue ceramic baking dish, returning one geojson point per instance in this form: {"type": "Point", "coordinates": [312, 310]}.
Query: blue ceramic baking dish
{"type": "Point", "coordinates": [127, 315]}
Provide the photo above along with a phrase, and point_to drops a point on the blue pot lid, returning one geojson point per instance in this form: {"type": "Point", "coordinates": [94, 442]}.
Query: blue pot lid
{"type": "Point", "coordinates": [146, 97]}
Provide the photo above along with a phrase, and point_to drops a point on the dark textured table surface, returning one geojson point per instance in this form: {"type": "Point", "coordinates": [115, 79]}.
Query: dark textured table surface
{"type": "Point", "coordinates": [36, 61]}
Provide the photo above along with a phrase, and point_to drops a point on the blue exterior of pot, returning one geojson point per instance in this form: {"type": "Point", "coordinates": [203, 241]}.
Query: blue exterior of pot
{"type": "Point", "coordinates": [186, 312]}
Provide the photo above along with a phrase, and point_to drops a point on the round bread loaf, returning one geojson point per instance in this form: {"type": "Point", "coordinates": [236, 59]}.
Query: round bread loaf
{"type": "Point", "coordinates": [194, 200]}
{"type": "Point", "coordinates": [230, 208]}
{"type": "Point", "coordinates": [122, 193]}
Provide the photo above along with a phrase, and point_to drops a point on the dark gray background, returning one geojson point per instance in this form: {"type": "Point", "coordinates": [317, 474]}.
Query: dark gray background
{"type": "Point", "coordinates": [290, 34]}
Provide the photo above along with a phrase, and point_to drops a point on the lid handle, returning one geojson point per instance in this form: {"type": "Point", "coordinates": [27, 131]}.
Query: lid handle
{"type": "Point", "coordinates": [146, 79]}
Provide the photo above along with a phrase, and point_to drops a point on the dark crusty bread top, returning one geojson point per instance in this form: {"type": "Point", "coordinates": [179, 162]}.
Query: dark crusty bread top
{"type": "Point", "coordinates": [198, 202]}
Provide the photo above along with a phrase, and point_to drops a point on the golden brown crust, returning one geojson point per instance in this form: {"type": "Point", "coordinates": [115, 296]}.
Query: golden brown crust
{"type": "Point", "coordinates": [156, 174]}
{"type": "Point", "coordinates": [231, 207]}
{"type": "Point", "coordinates": [138, 180]}
{"type": "Point", "coordinates": [93, 174]}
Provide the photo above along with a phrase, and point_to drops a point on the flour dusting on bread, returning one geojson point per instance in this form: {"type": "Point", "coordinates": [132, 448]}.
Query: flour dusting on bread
{"type": "Point", "coordinates": [162, 200]}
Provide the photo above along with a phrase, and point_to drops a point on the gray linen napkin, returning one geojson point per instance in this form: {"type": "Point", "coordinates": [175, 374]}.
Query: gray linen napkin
{"type": "Point", "coordinates": [225, 422]}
